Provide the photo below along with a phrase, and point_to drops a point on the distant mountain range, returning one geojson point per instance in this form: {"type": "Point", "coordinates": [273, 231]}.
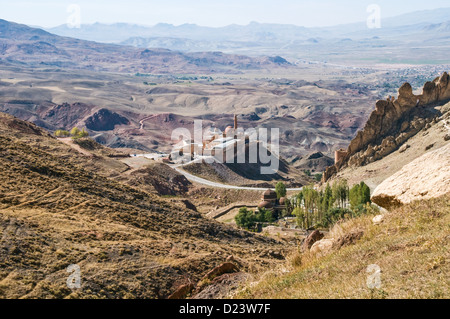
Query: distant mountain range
{"type": "Point", "coordinates": [251, 33]}
{"type": "Point", "coordinates": [336, 44]}
{"type": "Point", "coordinates": [415, 38]}
{"type": "Point", "coordinates": [23, 44]}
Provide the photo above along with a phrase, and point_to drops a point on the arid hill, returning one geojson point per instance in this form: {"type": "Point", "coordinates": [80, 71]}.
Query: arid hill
{"type": "Point", "coordinates": [59, 207]}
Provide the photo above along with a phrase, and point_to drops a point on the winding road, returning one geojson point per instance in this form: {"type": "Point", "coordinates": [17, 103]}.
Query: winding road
{"type": "Point", "coordinates": [206, 182]}
{"type": "Point", "coordinates": [141, 122]}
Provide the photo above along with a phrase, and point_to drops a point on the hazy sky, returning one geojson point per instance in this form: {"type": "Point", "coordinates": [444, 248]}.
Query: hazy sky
{"type": "Point", "coordinates": [309, 13]}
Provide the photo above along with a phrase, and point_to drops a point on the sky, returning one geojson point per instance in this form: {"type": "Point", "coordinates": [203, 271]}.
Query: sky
{"type": "Point", "coordinates": [214, 13]}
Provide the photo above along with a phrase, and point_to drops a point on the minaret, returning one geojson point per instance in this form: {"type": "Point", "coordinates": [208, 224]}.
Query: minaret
{"type": "Point", "coordinates": [235, 123]}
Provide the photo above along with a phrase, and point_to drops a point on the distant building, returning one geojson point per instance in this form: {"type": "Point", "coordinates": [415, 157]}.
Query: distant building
{"type": "Point", "coordinates": [215, 143]}
{"type": "Point", "coordinates": [339, 155]}
{"type": "Point", "coordinates": [269, 201]}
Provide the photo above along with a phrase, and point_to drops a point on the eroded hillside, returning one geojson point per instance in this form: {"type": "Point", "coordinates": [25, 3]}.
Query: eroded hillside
{"type": "Point", "coordinates": [58, 208]}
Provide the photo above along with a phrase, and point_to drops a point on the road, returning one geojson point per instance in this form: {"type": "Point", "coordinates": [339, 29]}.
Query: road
{"type": "Point", "coordinates": [69, 141]}
{"type": "Point", "coordinates": [141, 122]}
{"type": "Point", "coordinates": [206, 182]}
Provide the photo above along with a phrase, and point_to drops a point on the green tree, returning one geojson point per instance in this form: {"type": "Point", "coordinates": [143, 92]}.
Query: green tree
{"type": "Point", "coordinates": [359, 195]}
{"type": "Point", "coordinates": [327, 199]}
{"type": "Point", "coordinates": [299, 213]}
{"type": "Point", "coordinates": [365, 193]}
{"type": "Point", "coordinates": [62, 133]}
{"type": "Point", "coordinates": [75, 132]}
{"type": "Point", "coordinates": [354, 196]}
{"type": "Point", "coordinates": [340, 192]}
{"type": "Point", "coordinates": [333, 215]}
{"type": "Point", "coordinates": [265, 216]}
{"type": "Point", "coordinates": [83, 133]}
{"type": "Point", "coordinates": [245, 218]}
{"type": "Point", "coordinates": [280, 189]}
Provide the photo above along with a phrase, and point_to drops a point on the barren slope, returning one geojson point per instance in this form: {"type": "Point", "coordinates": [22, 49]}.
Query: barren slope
{"type": "Point", "coordinates": [58, 208]}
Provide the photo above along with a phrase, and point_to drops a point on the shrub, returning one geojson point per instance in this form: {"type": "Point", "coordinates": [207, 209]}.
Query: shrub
{"type": "Point", "coordinates": [62, 133]}
{"type": "Point", "coordinates": [245, 218]}
{"type": "Point", "coordinates": [248, 219]}
{"type": "Point", "coordinates": [76, 133]}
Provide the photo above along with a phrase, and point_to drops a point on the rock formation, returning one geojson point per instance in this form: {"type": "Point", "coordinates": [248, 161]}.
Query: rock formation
{"type": "Point", "coordinates": [424, 178]}
{"type": "Point", "coordinates": [393, 122]}
{"type": "Point", "coordinates": [311, 239]}
{"type": "Point", "coordinates": [105, 120]}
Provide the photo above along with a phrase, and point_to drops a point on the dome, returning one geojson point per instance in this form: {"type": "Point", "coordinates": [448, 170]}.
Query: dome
{"type": "Point", "coordinates": [229, 129]}
{"type": "Point", "coordinates": [265, 205]}
{"type": "Point", "coordinates": [269, 195]}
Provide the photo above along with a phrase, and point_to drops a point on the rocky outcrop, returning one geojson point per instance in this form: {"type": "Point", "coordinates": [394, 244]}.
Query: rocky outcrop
{"type": "Point", "coordinates": [182, 291]}
{"type": "Point", "coordinates": [322, 247]}
{"type": "Point", "coordinates": [348, 239]}
{"type": "Point", "coordinates": [64, 115]}
{"type": "Point", "coordinates": [162, 179]}
{"type": "Point", "coordinates": [325, 246]}
{"type": "Point", "coordinates": [393, 122]}
{"type": "Point", "coordinates": [225, 268]}
{"type": "Point", "coordinates": [105, 120]}
{"type": "Point", "coordinates": [311, 239]}
{"type": "Point", "coordinates": [424, 178]}
{"type": "Point", "coordinates": [222, 286]}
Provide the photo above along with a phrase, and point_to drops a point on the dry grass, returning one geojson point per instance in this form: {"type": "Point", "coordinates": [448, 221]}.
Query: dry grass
{"type": "Point", "coordinates": [411, 247]}
{"type": "Point", "coordinates": [58, 207]}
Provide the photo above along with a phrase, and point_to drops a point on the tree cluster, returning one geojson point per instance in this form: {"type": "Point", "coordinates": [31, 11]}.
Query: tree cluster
{"type": "Point", "coordinates": [248, 219]}
{"type": "Point", "coordinates": [75, 133]}
{"type": "Point", "coordinates": [323, 208]}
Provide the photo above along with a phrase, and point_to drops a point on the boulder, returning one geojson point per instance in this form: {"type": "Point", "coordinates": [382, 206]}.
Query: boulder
{"type": "Point", "coordinates": [322, 247]}
{"type": "Point", "coordinates": [404, 148]}
{"type": "Point", "coordinates": [225, 268]}
{"type": "Point", "coordinates": [426, 177]}
{"type": "Point", "coordinates": [378, 219]}
{"type": "Point", "coordinates": [182, 292]}
{"type": "Point", "coordinates": [311, 239]}
{"type": "Point", "coordinates": [348, 239]}
{"type": "Point", "coordinates": [222, 286]}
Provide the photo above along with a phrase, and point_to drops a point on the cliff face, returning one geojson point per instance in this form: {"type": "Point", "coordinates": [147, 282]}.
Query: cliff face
{"type": "Point", "coordinates": [393, 122]}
